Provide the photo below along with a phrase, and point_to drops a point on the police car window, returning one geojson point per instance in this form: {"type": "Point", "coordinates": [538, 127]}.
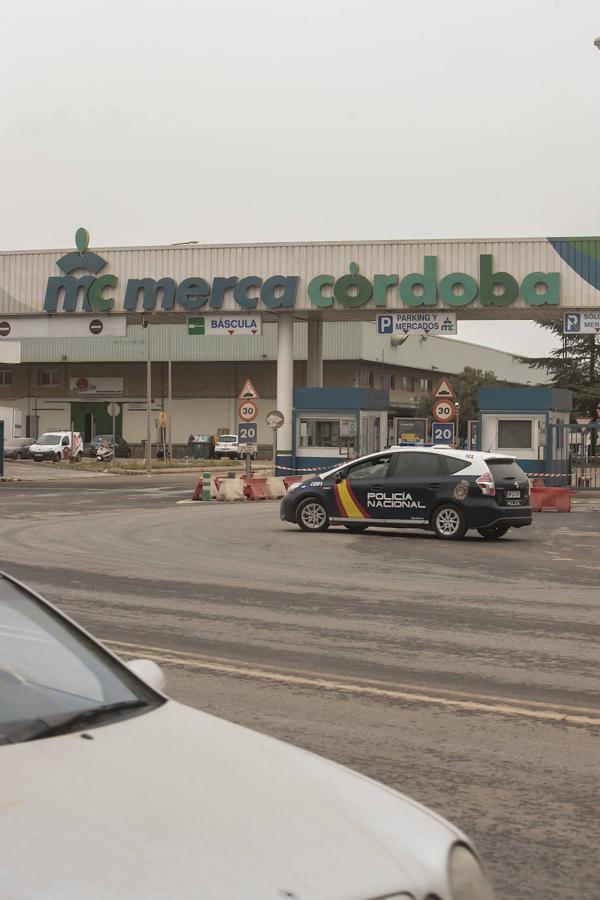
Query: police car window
{"type": "Point", "coordinates": [505, 468]}
{"type": "Point", "coordinates": [370, 468]}
{"type": "Point", "coordinates": [417, 465]}
{"type": "Point", "coordinates": [454, 465]}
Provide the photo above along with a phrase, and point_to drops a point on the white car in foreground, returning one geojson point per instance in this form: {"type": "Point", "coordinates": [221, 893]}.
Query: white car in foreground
{"type": "Point", "coordinates": [110, 790]}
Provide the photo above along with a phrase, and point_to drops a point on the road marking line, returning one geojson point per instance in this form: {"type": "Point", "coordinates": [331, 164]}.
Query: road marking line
{"type": "Point", "coordinates": [411, 693]}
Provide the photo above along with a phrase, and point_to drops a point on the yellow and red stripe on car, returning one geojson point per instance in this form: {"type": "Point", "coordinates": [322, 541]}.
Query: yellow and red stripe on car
{"type": "Point", "coordinates": [347, 503]}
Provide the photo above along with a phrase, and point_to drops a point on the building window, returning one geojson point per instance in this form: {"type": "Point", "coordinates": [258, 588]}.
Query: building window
{"type": "Point", "coordinates": [515, 434]}
{"type": "Point", "coordinates": [6, 377]}
{"type": "Point", "coordinates": [407, 383]}
{"type": "Point", "coordinates": [365, 378]}
{"type": "Point", "coordinates": [426, 385]}
{"type": "Point", "coordinates": [387, 381]}
{"type": "Point", "coordinates": [49, 377]}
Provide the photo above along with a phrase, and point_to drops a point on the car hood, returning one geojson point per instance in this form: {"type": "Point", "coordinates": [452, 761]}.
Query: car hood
{"type": "Point", "coordinates": [177, 803]}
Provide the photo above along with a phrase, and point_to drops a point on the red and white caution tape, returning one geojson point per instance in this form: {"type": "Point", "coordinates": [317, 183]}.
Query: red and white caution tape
{"type": "Point", "coordinates": [548, 475]}
{"type": "Point", "coordinates": [312, 469]}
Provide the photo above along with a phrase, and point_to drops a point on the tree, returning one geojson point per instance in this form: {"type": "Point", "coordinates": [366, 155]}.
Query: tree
{"type": "Point", "coordinates": [465, 386]}
{"type": "Point", "coordinates": [574, 365]}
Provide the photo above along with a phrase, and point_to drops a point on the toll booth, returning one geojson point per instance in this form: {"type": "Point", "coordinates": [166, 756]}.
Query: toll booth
{"type": "Point", "coordinates": [529, 423]}
{"type": "Point", "coordinates": [331, 425]}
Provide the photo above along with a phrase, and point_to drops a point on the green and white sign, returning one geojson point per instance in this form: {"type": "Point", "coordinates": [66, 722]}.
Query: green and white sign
{"type": "Point", "coordinates": [224, 325]}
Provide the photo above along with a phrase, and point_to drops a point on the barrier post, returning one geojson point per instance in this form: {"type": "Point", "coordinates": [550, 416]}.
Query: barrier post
{"type": "Point", "coordinates": [206, 485]}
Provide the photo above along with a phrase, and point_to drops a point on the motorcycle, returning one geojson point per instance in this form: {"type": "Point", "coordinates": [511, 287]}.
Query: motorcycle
{"type": "Point", "coordinates": [104, 453]}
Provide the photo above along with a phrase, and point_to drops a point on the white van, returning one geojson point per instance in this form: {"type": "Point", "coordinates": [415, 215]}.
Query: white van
{"type": "Point", "coordinates": [57, 445]}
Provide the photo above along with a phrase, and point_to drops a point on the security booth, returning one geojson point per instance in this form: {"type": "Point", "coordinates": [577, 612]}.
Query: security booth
{"type": "Point", "coordinates": [531, 424]}
{"type": "Point", "coordinates": [332, 425]}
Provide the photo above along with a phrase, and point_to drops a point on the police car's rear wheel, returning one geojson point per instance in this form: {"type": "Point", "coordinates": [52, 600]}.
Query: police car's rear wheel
{"type": "Point", "coordinates": [311, 515]}
{"type": "Point", "coordinates": [356, 528]}
{"type": "Point", "coordinates": [449, 523]}
{"type": "Point", "coordinates": [493, 533]}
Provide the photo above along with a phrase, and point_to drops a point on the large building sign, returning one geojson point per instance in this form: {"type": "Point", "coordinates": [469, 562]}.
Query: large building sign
{"type": "Point", "coordinates": [96, 293]}
{"type": "Point", "coordinates": [335, 280]}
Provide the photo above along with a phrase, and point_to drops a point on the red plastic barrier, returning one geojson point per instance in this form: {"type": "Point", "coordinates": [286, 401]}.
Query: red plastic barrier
{"type": "Point", "coordinates": [288, 480]}
{"type": "Point", "coordinates": [256, 488]}
{"type": "Point", "coordinates": [197, 495]}
{"type": "Point", "coordinates": [558, 498]}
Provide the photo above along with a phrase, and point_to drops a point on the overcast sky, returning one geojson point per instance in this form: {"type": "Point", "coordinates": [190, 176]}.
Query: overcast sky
{"type": "Point", "coordinates": [153, 122]}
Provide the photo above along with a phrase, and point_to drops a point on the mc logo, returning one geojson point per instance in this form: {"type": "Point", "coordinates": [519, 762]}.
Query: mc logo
{"type": "Point", "coordinates": [89, 286]}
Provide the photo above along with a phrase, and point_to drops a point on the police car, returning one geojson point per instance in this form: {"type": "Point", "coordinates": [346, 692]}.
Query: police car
{"type": "Point", "coordinates": [443, 490]}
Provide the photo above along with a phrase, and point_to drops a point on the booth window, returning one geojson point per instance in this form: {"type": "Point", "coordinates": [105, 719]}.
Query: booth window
{"type": "Point", "coordinates": [515, 434]}
{"type": "Point", "coordinates": [6, 377]}
{"type": "Point", "coordinates": [320, 433]}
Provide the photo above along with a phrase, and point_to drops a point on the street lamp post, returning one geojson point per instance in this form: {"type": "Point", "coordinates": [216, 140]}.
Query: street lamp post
{"type": "Point", "coordinates": [146, 325]}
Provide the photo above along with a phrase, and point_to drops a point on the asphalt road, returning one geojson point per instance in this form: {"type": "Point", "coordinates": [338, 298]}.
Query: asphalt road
{"type": "Point", "coordinates": [465, 675]}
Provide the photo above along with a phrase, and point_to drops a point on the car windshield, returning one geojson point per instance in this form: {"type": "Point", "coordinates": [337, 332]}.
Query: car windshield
{"type": "Point", "coordinates": [103, 437]}
{"type": "Point", "coordinates": [54, 679]}
{"type": "Point", "coordinates": [228, 439]}
{"type": "Point", "coordinates": [51, 439]}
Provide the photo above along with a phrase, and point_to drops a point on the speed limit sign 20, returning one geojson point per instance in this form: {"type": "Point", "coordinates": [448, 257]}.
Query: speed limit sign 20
{"type": "Point", "coordinates": [247, 410]}
{"type": "Point", "coordinates": [443, 410]}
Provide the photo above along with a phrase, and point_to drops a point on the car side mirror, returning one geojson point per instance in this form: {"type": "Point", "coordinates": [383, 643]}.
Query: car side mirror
{"type": "Point", "coordinates": [149, 673]}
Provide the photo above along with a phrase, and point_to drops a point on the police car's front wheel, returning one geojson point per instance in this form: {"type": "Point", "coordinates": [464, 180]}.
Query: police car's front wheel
{"type": "Point", "coordinates": [311, 515]}
{"type": "Point", "coordinates": [449, 523]}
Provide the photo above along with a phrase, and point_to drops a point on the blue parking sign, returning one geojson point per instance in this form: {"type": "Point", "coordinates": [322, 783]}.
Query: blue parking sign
{"type": "Point", "coordinates": [385, 324]}
{"type": "Point", "coordinates": [442, 432]}
{"type": "Point", "coordinates": [247, 433]}
{"type": "Point", "coordinates": [572, 324]}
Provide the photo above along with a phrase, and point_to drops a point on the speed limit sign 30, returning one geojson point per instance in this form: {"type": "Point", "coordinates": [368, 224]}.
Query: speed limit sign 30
{"type": "Point", "coordinates": [247, 410]}
{"type": "Point", "coordinates": [443, 410]}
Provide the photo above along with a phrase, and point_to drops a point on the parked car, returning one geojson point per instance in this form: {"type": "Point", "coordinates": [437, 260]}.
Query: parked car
{"type": "Point", "coordinates": [17, 448]}
{"type": "Point", "coordinates": [110, 789]}
{"type": "Point", "coordinates": [229, 446]}
{"type": "Point", "coordinates": [121, 446]}
{"type": "Point", "coordinates": [57, 445]}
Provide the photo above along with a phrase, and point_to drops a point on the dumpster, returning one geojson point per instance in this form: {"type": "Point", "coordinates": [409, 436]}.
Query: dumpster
{"type": "Point", "coordinates": [201, 446]}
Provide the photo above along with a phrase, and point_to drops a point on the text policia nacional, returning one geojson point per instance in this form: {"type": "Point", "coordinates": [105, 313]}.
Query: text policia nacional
{"type": "Point", "coordinates": [350, 291]}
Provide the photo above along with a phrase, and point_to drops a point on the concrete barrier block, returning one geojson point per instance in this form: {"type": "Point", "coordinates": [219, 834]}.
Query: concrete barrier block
{"type": "Point", "coordinates": [275, 488]}
{"type": "Point", "coordinates": [231, 489]}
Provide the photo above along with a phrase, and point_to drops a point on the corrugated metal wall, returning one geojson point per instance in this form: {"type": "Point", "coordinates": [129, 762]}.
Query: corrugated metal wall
{"type": "Point", "coordinates": [340, 341]}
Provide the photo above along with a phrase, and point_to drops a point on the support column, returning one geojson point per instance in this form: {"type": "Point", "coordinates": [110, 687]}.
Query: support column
{"type": "Point", "coordinates": [314, 365]}
{"type": "Point", "coordinates": [285, 387]}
